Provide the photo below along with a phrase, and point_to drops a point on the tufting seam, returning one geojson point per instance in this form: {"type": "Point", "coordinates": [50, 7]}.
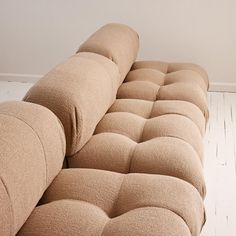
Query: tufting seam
{"type": "Point", "coordinates": [113, 212]}
{"type": "Point", "coordinates": [78, 118]}
{"type": "Point", "coordinates": [167, 113]}
{"type": "Point", "coordinates": [203, 109]}
{"type": "Point", "coordinates": [105, 225]}
{"type": "Point", "coordinates": [117, 131]}
{"type": "Point", "coordinates": [141, 136]}
{"type": "Point", "coordinates": [162, 207]}
{"type": "Point", "coordinates": [142, 80]}
{"type": "Point", "coordinates": [151, 110]}
{"type": "Point", "coordinates": [157, 93]}
{"type": "Point", "coordinates": [131, 155]}
{"type": "Point", "coordinates": [170, 136]}
{"type": "Point", "coordinates": [45, 159]}
{"type": "Point", "coordinates": [155, 207]}
{"type": "Point", "coordinates": [179, 114]}
{"type": "Point", "coordinates": [200, 76]}
{"type": "Point", "coordinates": [12, 211]}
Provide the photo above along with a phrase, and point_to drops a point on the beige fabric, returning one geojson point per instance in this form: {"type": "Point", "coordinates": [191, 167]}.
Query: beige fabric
{"type": "Point", "coordinates": [166, 68]}
{"type": "Point", "coordinates": [152, 81]}
{"type": "Point", "coordinates": [155, 126]}
{"type": "Point", "coordinates": [79, 92]}
{"type": "Point", "coordinates": [151, 133]}
{"type": "Point", "coordinates": [117, 42]}
{"type": "Point", "coordinates": [86, 219]}
{"type": "Point", "coordinates": [107, 203]}
{"type": "Point", "coordinates": [32, 148]}
{"type": "Point", "coordinates": [125, 143]}
{"type": "Point", "coordinates": [148, 109]}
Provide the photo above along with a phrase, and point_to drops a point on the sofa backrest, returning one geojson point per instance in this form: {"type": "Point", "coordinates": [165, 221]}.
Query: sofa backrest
{"type": "Point", "coordinates": [117, 42]}
{"type": "Point", "coordinates": [81, 90]}
{"type": "Point", "coordinates": [32, 145]}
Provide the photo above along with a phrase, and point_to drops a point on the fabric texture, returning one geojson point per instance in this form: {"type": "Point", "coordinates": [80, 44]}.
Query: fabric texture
{"type": "Point", "coordinates": [31, 156]}
{"type": "Point", "coordinates": [134, 146]}
{"type": "Point", "coordinates": [107, 203]}
{"type": "Point", "coordinates": [155, 125]}
{"type": "Point", "coordinates": [117, 42]}
{"type": "Point", "coordinates": [167, 68]}
{"type": "Point", "coordinates": [79, 91]}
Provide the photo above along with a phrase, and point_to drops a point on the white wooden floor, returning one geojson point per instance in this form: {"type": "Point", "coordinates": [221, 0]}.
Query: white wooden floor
{"type": "Point", "coordinates": [220, 158]}
{"type": "Point", "coordinates": [13, 90]}
{"type": "Point", "coordinates": [220, 166]}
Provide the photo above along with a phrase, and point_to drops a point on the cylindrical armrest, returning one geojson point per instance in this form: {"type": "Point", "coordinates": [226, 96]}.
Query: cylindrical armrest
{"type": "Point", "coordinates": [32, 149]}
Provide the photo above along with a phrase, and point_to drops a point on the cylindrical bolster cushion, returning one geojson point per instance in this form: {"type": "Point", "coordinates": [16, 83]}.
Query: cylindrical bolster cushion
{"type": "Point", "coordinates": [117, 42]}
{"type": "Point", "coordinates": [32, 145]}
{"type": "Point", "coordinates": [79, 92]}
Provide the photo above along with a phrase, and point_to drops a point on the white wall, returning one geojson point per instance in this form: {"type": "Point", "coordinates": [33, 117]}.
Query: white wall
{"type": "Point", "coordinates": [36, 35]}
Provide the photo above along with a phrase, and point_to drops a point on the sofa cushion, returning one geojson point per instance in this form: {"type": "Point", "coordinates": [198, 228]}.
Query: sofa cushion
{"type": "Point", "coordinates": [95, 202]}
{"type": "Point", "coordinates": [79, 91]}
{"type": "Point", "coordinates": [154, 81]}
{"type": "Point", "coordinates": [167, 68]}
{"type": "Point", "coordinates": [155, 125]}
{"type": "Point", "coordinates": [127, 143]}
{"type": "Point", "coordinates": [117, 42]}
{"type": "Point", "coordinates": [32, 145]}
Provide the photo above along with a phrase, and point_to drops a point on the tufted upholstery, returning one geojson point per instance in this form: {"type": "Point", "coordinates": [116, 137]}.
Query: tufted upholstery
{"type": "Point", "coordinates": [133, 145]}
{"type": "Point", "coordinates": [155, 126]}
{"type": "Point", "coordinates": [31, 156]}
{"type": "Point", "coordinates": [78, 95]}
{"type": "Point", "coordinates": [109, 203]}
{"type": "Point", "coordinates": [167, 68]}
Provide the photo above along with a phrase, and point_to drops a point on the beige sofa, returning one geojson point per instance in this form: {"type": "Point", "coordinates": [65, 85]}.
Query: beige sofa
{"type": "Point", "coordinates": [132, 136]}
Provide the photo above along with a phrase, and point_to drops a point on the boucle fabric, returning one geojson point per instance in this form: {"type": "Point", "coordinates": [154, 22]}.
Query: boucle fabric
{"type": "Point", "coordinates": [107, 203]}
{"type": "Point", "coordinates": [133, 145]}
{"type": "Point", "coordinates": [155, 125]}
{"type": "Point", "coordinates": [79, 91]}
{"type": "Point", "coordinates": [117, 42]}
{"type": "Point", "coordinates": [32, 145]}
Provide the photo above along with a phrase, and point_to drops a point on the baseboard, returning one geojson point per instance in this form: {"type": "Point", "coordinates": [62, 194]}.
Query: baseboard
{"type": "Point", "coordinates": [23, 78]}
{"type": "Point", "coordinates": [223, 87]}
{"type": "Point", "coordinates": [32, 78]}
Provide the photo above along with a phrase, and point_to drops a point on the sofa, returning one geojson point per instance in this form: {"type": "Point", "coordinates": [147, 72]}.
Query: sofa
{"type": "Point", "coordinates": [106, 145]}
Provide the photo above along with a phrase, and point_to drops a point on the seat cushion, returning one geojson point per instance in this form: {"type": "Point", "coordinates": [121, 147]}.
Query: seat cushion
{"type": "Point", "coordinates": [95, 202]}
{"type": "Point", "coordinates": [167, 68]}
{"type": "Point", "coordinates": [155, 81]}
{"type": "Point", "coordinates": [155, 125]}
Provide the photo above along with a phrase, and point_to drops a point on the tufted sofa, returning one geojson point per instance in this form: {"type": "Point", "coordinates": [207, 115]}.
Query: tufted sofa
{"type": "Point", "coordinates": [132, 136]}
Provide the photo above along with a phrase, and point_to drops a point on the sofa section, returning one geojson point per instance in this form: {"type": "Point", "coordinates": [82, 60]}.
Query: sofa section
{"type": "Point", "coordinates": [166, 81]}
{"type": "Point", "coordinates": [32, 145]}
{"type": "Point", "coordinates": [155, 125]}
{"type": "Point", "coordinates": [79, 91]}
{"type": "Point", "coordinates": [96, 202]}
{"type": "Point", "coordinates": [133, 142]}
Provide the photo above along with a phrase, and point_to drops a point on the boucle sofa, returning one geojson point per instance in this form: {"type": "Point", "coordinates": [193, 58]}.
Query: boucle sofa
{"type": "Point", "coordinates": [132, 136]}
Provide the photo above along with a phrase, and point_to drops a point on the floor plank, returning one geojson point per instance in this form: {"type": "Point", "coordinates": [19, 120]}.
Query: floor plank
{"type": "Point", "coordinates": [13, 90]}
{"type": "Point", "coordinates": [220, 166]}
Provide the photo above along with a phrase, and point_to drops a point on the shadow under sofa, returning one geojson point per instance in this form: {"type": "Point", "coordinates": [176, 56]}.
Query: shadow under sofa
{"type": "Point", "coordinates": [131, 134]}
